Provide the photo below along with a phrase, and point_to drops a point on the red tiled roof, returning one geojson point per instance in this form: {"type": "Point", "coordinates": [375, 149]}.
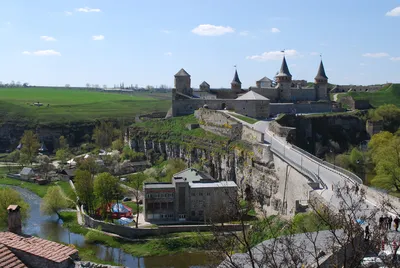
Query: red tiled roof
{"type": "Point", "coordinates": [8, 259]}
{"type": "Point", "coordinates": [36, 246]}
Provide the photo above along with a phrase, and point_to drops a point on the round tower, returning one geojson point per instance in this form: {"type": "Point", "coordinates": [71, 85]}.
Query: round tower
{"type": "Point", "coordinates": [284, 82]}
{"type": "Point", "coordinates": [236, 85]}
{"type": "Point", "coordinates": [321, 83]}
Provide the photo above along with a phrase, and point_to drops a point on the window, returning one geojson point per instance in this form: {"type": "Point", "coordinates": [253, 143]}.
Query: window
{"type": "Point", "coordinates": [201, 213]}
{"type": "Point", "coordinates": [193, 193]}
{"type": "Point", "coordinates": [200, 193]}
{"type": "Point", "coordinates": [208, 193]}
{"type": "Point", "coordinates": [148, 195]}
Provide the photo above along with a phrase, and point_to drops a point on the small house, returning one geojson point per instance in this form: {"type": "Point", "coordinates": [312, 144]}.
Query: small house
{"type": "Point", "coordinates": [67, 174]}
{"type": "Point", "coordinates": [27, 173]}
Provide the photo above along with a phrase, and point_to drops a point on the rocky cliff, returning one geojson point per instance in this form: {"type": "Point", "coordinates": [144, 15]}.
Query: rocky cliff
{"type": "Point", "coordinates": [323, 134]}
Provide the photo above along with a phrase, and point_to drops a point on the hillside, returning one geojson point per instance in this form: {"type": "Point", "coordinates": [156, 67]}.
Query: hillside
{"type": "Point", "coordinates": [387, 95]}
{"type": "Point", "coordinates": [69, 105]}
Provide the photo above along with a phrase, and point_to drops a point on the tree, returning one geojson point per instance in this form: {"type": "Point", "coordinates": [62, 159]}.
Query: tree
{"type": "Point", "coordinates": [30, 145]}
{"type": "Point", "coordinates": [84, 184]}
{"type": "Point", "coordinates": [8, 197]}
{"type": "Point", "coordinates": [53, 201]}
{"type": "Point", "coordinates": [106, 189]}
{"type": "Point", "coordinates": [136, 183]}
{"type": "Point", "coordinates": [118, 145]}
{"type": "Point", "coordinates": [63, 142]}
{"type": "Point", "coordinates": [45, 165]}
{"type": "Point", "coordinates": [12, 158]}
{"type": "Point", "coordinates": [90, 165]}
{"type": "Point", "coordinates": [103, 134]}
{"type": "Point", "coordinates": [62, 155]}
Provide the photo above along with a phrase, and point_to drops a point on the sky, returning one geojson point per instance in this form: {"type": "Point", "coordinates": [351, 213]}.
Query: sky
{"type": "Point", "coordinates": [145, 42]}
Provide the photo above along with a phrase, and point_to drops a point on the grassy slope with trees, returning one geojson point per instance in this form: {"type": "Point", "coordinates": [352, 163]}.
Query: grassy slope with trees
{"type": "Point", "coordinates": [67, 105]}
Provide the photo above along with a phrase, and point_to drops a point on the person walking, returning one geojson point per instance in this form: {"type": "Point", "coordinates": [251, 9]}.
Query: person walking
{"type": "Point", "coordinates": [390, 220]}
{"type": "Point", "coordinates": [381, 221]}
{"type": "Point", "coordinates": [367, 233]}
{"type": "Point", "coordinates": [396, 223]}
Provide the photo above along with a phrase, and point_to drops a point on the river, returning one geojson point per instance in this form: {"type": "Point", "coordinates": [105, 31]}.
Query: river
{"type": "Point", "coordinates": [50, 228]}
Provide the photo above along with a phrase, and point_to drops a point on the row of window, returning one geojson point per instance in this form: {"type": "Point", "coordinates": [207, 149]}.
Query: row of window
{"type": "Point", "coordinates": [161, 205]}
{"type": "Point", "coordinates": [200, 193]}
{"type": "Point", "coordinates": [160, 195]}
{"type": "Point", "coordinates": [167, 216]}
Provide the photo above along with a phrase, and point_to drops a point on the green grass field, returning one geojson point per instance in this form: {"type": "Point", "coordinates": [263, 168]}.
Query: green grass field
{"type": "Point", "coordinates": [67, 105]}
{"type": "Point", "coordinates": [387, 95]}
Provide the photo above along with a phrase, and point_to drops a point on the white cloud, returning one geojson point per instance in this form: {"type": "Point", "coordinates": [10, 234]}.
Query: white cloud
{"type": "Point", "coordinates": [244, 33]}
{"type": "Point", "coordinates": [314, 53]}
{"type": "Point", "coordinates": [47, 38]}
{"type": "Point", "coordinates": [168, 54]}
{"type": "Point", "coordinates": [275, 30]}
{"type": "Point", "coordinates": [48, 52]}
{"type": "Point", "coordinates": [395, 58]}
{"type": "Point", "coordinates": [212, 30]}
{"type": "Point", "coordinates": [395, 12]}
{"type": "Point", "coordinates": [88, 9]}
{"type": "Point", "coordinates": [98, 37]}
{"type": "Point", "coordinates": [68, 13]}
{"type": "Point", "coordinates": [376, 55]}
{"type": "Point", "coordinates": [166, 31]}
{"type": "Point", "coordinates": [274, 55]}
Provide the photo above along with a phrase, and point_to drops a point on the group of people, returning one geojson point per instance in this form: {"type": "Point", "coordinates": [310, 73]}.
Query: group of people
{"type": "Point", "coordinates": [385, 222]}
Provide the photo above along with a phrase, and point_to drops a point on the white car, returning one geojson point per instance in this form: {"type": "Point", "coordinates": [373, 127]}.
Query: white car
{"type": "Point", "coordinates": [372, 262]}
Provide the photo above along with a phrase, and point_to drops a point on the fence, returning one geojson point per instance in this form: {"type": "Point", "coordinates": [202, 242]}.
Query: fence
{"type": "Point", "coordinates": [333, 168]}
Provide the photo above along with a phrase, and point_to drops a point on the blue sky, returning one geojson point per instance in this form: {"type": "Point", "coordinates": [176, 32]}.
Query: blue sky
{"type": "Point", "coordinates": [48, 42]}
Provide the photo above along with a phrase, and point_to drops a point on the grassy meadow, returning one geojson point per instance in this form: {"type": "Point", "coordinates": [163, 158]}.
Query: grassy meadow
{"type": "Point", "coordinates": [67, 105]}
{"type": "Point", "coordinates": [387, 95]}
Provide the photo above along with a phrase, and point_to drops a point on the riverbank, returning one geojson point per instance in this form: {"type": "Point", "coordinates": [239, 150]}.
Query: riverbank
{"type": "Point", "coordinates": [166, 245]}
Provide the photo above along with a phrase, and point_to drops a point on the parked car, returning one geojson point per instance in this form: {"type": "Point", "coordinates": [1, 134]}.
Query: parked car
{"type": "Point", "coordinates": [126, 199]}
{"type": "Point", "coordinates": [372, 262]}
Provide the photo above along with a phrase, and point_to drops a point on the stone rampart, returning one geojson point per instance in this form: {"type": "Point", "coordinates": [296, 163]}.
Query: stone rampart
{"type": "Point", "coordinates": [252, 135]}
{"type": "Point", "coordinates": [219, 123]}
{"type": "Point", "coordinates": [303, 94]}
{"type": "Point", "coordinates": [302, 108]}
{"type": "Point", "coordinates": [282, 131]}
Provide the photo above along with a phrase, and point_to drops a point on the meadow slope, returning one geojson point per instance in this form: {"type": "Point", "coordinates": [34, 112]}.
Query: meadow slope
{"type": "Point", "coordinates": [71, 105]}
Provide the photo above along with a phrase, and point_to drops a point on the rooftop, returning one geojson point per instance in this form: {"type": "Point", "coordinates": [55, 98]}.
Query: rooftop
{"type": "Point", "coordinates": [182, 72]}
{"type": "Point", "coordinates": [158, 185]}
{"type": "Point", "coordinates": [212, 184]}
{"type": "Point", "coordinates": [191, 175]}
{"type": "Point", "coordinates": [36, 246]}
{"type": "Point", "coordinates": [265, 79]}
{"type": "Point", "coordinates": [284, 71]}
{"type": "Point", "coordinates": [251, 95]}
{"type": "Point", "coordinates": [8, 259]}
{"type": "Point", "coordinates": [26, 171]}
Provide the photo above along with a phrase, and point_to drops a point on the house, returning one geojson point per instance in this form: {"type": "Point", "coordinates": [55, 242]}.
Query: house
{"type": "Point", "coordinates": [27, 173]}
{"type": "Point", "coordinates": [116, 211]}
{"type": "Point", "coordinates": [19, 250]}
{"type": "Point", "coordinates": [67, 174]}
{"type": "Point", "coordinates": [191, 196]}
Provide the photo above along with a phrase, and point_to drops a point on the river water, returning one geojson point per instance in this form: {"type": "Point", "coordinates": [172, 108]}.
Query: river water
{"type": "Point", "coordinates": [48, 227]}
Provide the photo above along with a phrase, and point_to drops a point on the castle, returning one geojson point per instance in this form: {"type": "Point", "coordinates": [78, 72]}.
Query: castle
{"type": "Point", "coordinates": [287, 96]}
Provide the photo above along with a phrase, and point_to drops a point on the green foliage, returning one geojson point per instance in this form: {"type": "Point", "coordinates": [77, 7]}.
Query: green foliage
{"type": "Point", "coordinates": [389, 114]}
{"type": "Point", "coordinates": [62, 155]}
{"type": "Point", "coordinates": [308, 222]}
{"type": "Point", "coordinates": [166, 170]}
{"type": "Point", "coordinates": [53, 201]}
{"type": "Point", "coordinates": [131, 155]}
{"type": "Point", "coordinates": [118, 145]}
{"type": "Point", "coordinates": [106, 189]}
{"type": "Point", "coordinates": [88, 164]}
{"type": "Point", "coordinates": [8, 197]}
{"type": "Point", "coordinates": [84, 185]}
{"type": "Point", "coordinates": [30, 145]}
{"type": "Point", "coordinates": [271, 227]}
{"type": "Point", "coordinates": [103, 134]}
{"type": "Point", "coordinates": [63, 143]}
{"type": "Point", "coordinates": [68, 105]}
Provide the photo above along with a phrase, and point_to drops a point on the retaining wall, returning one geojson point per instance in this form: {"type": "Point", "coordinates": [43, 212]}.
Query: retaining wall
{"type": "Point", "coordinates": [134, 233]}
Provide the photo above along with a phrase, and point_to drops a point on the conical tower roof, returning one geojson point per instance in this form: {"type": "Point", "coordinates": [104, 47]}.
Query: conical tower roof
{"type": "Point", "coordinates": [182, 72]}
{"type": "Point", "coordinates": [236, 79]}
{"type": "Point", "coordinates": [321, 72]}
{"type": "Point", "coordinates": [284, 71]}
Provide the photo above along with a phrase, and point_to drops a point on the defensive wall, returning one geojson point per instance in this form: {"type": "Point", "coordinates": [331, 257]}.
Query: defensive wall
{"type": "Point", "coordinates": [347, 88]}
{"type": "Point", "coordinates": [252, 108]}
{"type": "Point", "coordinates": [302, 108]}
{"type": "Point", "coordinates": [134, 233]}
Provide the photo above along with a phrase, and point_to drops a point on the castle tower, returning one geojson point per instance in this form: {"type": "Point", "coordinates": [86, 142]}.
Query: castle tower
{"type": "Point", "coordinates": [182, 83]}
{"type": "Point", "coordinates": [204, 86]}
{"type": "Point", "coordinates": [284, 82]}
{"type": "Point", "coordinates": [321, 83]}
{"type": "Point", "coordinates": [236, 85]}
